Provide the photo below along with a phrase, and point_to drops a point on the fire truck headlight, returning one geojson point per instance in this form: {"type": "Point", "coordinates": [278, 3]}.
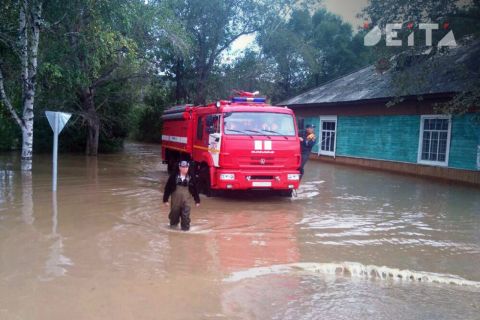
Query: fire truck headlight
{"type": "Point", "coordinates": [293, 176]}
{"type": "Point", "coordinates": [227, 176]}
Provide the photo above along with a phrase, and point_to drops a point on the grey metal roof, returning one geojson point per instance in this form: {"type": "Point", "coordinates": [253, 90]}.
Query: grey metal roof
{"type": "Point", "coordinates": [445, 73]}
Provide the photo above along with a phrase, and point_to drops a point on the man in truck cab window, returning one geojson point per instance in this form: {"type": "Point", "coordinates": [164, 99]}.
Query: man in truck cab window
{"type": "Point", "coordinates": [270, 125]}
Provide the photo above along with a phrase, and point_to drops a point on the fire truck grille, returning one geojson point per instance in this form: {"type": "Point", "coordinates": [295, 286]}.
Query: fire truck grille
{"type": "Point", "coordinates": [259, 161]}
{"type": "Point", "coordinates": [263, 161]}
{"type": "Point", "coordinates": [255, 161]}
{"type": "Point", "coordinates": [261, 178]}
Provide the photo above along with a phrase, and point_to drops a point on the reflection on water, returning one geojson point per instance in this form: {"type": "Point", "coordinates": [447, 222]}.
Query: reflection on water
{"type": "Point", "coordinates": [101, 247]}
{"type": "Point", "coordinates": [27, 198]}
{"type": "Point", "coordinates": [57, 262]}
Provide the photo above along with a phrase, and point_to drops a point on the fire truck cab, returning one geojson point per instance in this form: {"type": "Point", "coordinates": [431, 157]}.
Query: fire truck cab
{"type": "Point", "coordinates": [240, 144]}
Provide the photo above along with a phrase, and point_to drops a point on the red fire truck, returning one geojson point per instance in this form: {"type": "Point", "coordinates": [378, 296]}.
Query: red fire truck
{"type": "Point", "coordinates": [240, 144]}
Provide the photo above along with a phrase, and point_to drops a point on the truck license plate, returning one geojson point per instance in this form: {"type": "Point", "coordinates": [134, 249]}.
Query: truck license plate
{"type": "Point", "coordinates": [261, 184]}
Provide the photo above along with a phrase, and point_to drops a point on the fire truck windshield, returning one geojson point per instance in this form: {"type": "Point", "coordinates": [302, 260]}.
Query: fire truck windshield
{"type": "Point", "coordinates": [258, 123]}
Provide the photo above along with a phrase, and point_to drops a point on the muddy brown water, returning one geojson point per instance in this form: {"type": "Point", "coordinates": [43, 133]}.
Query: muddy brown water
{"type": "Point", "coordinates": [353, 244]}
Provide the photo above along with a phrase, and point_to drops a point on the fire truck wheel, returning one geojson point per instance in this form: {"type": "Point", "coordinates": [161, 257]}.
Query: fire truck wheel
{"type": "Point", "coordinates": [170, 167]}
{"type": "Point", "coordinates": [286, 193]}
{"type": "Point", "coordinates": [209, 192]}
{"type": "Point", "coordinates": [204, 181]}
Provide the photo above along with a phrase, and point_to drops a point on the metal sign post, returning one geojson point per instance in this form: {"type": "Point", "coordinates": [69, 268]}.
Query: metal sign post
{"type": "Point", "coordinates": [57, 121]}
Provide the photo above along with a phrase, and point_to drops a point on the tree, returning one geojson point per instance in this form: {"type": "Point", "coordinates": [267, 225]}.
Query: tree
{"type": "Point", "coordinates": [212, 26]}
{"type": "Point", "coordinates": [463, 18]}
{"type": "Point", "coordinates": [25, 53]}
{"type": "Point", "coordinates": [282, 43]}
{"type": "Point", "coordinates": [309, 49]}
{"type": "Point", "coordinates": [93, 56]}
{"type": "Point", "coordinates": [249, 72]}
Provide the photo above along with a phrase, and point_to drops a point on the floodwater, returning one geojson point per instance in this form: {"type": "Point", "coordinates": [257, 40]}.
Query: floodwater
{"type": "Point", "coordinates": [354, 244]}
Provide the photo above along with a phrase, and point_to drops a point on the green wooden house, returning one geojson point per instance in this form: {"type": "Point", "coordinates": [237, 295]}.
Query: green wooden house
{"type": "Point", "coordinates": [356, 125]}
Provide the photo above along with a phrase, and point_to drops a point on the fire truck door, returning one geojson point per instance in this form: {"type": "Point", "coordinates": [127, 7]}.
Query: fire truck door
{"type": "Point", "coordinates": [214, 137]}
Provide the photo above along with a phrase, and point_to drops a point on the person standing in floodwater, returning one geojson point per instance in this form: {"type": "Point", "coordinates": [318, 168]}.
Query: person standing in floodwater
{"type": "Point", "coordinates": [307, 141]}
{"type": "Point", "coordinates": [180, 185]}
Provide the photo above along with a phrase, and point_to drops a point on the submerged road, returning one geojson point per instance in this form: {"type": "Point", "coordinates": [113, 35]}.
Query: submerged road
{"type": "Point", "coordinates": [353, 244]}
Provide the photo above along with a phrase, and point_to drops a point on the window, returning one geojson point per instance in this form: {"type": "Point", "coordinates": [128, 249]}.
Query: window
{"type": "Point", "coordinates": [328, 130]}
{"type": "Point", "coordinates": [434, 143]}
{"type": "Point", "coordinates": [213, 123]}
{"type": "Point", "coordinates": [199, 128]}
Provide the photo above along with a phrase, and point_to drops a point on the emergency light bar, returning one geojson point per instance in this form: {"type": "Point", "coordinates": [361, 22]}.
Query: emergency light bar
{"type": "Point", "coordinates": [247, 99]}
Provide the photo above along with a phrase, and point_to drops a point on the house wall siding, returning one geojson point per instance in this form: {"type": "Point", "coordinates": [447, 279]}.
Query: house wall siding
{"type": "Point", "coordinates": [379, 137]}
{"type": "Point", "coordinates": [465, 140]}
{"type": "Point", "coordinates": [396, 138]}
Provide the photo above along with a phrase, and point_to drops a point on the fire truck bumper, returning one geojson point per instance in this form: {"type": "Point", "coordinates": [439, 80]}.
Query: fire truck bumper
{"type": "Point", "coordinates": [247, 180]}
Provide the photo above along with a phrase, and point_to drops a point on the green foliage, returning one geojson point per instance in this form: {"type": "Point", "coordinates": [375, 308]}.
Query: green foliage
{"type": "Point", "coordinates": [9, 133]}
{"type": "Point", "coordinates": [136, 58]}
{"type": "Point", "coordinates": [97, 51]}
{"type": "Point", "coordinates": [308, 50]}
{"type": "Point", "coordinates": [149, 124]}
{"type": "Point", "coordinates": [148, 117]}
{"type": "Point", "coordinates": [249, 72]}
{"type": "Point", "coordinates": [463, 19]}
{"type": "Point", "coordinates": [210, 27]}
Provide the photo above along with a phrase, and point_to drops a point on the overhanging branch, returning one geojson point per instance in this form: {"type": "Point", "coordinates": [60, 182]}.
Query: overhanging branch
{"type": "Point", "coordinates": [105, 76]}
{"type": "Point", "coordinates": [245, 32]}
{"type": "Point", "coordinates": [6, 101]}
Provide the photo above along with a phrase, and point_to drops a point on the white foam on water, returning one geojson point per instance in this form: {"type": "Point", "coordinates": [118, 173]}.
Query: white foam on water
{"type": "Point", "coordinates": [306, 195]}
{"type": "Point", "coordinates": [354, 270]}
{"type": "Point", "coordinates": [193, 230]}
{"type": "Point", "coordinates": [316, 182]}
{"type": "Point", "coordinates": [308, 190]}
{"type": "Point", "coordinates": [352, 197]}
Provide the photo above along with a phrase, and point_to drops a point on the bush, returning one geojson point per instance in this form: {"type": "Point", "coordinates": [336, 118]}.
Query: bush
{"type": "Point", "coordinates": [149, 128]}
{"type": "Point", "coordinates": [10, 134]}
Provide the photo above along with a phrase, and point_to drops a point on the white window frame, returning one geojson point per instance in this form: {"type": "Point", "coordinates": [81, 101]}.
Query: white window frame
{"type": "Point", "coordinates": [319, 140]}
{"type": "Point", "coordinates": [420, 140]}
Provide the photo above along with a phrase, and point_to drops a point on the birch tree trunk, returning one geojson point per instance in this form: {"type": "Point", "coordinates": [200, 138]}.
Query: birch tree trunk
{"type": "Point", "coordinates": [30, 19]}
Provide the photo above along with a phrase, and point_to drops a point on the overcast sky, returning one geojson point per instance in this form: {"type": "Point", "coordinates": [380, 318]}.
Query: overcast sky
{"type": "Point", "coordinates": [347, 9]}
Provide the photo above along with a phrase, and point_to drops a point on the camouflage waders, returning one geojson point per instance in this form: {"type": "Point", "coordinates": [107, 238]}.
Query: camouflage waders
{"type": "Point", "coordinates": [180, 209]}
